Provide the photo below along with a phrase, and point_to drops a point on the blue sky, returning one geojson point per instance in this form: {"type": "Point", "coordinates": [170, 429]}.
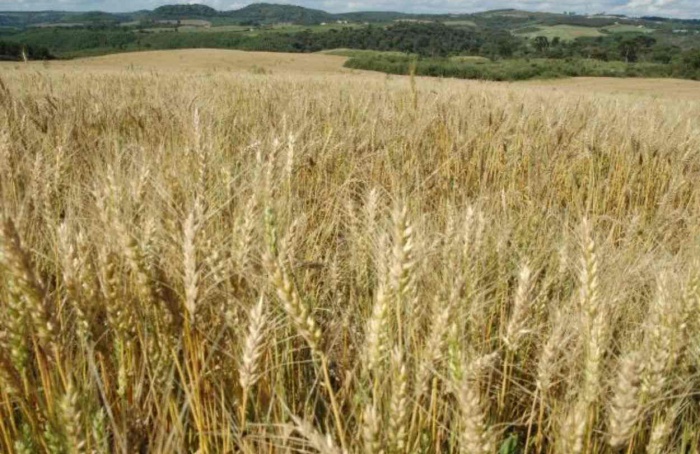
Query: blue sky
{"type": "Point", "coordinates": [675, 8]}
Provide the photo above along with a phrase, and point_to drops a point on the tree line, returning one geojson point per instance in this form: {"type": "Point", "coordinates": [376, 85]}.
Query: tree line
{"type": "Point", "coordinates": [428, 40]}
{"type": "Point", "coordinates": [13, 51]}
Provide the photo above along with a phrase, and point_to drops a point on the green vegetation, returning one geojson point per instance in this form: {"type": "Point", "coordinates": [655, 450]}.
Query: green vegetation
{"type": "Point", "coordinates": [564, 32]}
{"type": "Point", "coordinates": [560, 39]}
{"type": "Point", "coordinates": [263, 13]}
{"type": "Point", "coordinates": [17, 52]}
{"type": "Point", "coordinates": [431, 40]}
{"type": "Point", "coordinates": [623, 28]}
{"type": "Point", "coordinates": [184, 11]}
{"type": "Point", "coordinates": [353, 53]}
{"type": "Point", "coordinates": [469, 59]}
{"type": "Point", "coordinates": [77, 40]}
{"type": "Point", "coordinates": [373, 16]}
{"type": "Point", "coordinates": [460, 23]}
{"type": "Point", "coordinates": [517, 69]}
{"type": "Point", "coordinates": [272, 14]}
{"type": "Point", "coordinates": [219, 29]}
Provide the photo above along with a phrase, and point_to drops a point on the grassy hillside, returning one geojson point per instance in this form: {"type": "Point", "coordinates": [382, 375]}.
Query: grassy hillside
{"type": "Point", "coordinates": [216, 261]}
{"type": "Point", "coordinates": [621, 28]}
{"type": "Point", "coordinates": [565, 32]}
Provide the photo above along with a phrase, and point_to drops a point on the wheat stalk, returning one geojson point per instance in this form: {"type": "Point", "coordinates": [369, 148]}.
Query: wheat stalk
{"type": "Point", "coordinates": [625, 406]}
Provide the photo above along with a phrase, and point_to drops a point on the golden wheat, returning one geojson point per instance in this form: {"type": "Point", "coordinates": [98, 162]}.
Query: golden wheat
{"type": "Point", "coordinates": [228, 262]}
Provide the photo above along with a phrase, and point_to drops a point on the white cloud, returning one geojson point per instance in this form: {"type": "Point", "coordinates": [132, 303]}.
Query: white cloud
{"type": "Point", "coordinates": [679, 8]}
{"type": "Point", "coordinates": [676, 8]}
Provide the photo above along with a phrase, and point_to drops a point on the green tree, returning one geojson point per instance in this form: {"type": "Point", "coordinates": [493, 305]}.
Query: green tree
{"type": "Point", "coordinates": [541, 43]}
{"type": "Point", "coordinates": [691, 59]}
{"type": "Point", "coordinates": [629, 49]}
{"type": "Point", "coordinates": [663, 54]}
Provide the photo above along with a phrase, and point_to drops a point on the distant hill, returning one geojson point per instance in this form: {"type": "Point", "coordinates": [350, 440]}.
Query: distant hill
{"type": "Point", "coordinates": [22, 19]}
{"type": "Point", "coordinates": [96, 17]}
{"type": "Point", "coordinates": [258, 13]}
{"type": "Point", "coordinates": [174, 12]}
{"type": "Point", "coordinates": [266, 13]}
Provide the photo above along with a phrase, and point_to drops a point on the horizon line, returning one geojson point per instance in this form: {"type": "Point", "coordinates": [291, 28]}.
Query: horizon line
{"type": "Point", "coordinates": [602, 13]}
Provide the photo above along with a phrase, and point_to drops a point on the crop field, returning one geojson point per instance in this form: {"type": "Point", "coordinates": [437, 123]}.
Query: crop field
{"type": "Point", "coordinates": [682, 90]}
{"type": "Point", "coordinates": [193, 61]}
{"type": "Point", "coordinates": [363, 53]}
{"type": "Point", "coordinates": [469, 59]}
{"type": "Point", "coordinates": [460, 23]}
{"type": "Point", "coordinates": [565, 32]}
{"type": "Point", "coordinates": [217, 28]}
{"type": "Point", "coordinates": [624, 28]}
{"type": "Point", "coordinates": [197, 257]}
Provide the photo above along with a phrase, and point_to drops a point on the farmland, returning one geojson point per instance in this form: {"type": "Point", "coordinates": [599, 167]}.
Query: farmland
{"type": "Point", "coordinates": [565, 32]}
{"type": "Point", "coordinates": [620, 28]}
{"type": "Point", "coordinates": [218, 251]}
{"type": "Point", "coordinates": [571, 32]}
{"type": "Point", "coordinates": [194, 61]}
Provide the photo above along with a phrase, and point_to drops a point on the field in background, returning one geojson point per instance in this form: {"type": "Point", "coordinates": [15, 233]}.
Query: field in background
{"type": "Point", "coordinates": [571, 32]}
{"type": "Point", "coordinates": [196, 60]}
{"type": "Point", "coordinates": [218, 251]}
{"type": "Point", "coordinates": [361, 53]}
{"type": "Point", "coordinates": [565, 32]}
{"type": "Point", "coordinates": [627, 28]}
{"type": "Point", "coordinates": [331, 62]}
{"type": "Point", "coordinates": [682, 90]}
{"type": "Point", "coordinates": [218, 28]}
{"type": "Point", "coordinates": [460, 23]}
{"type": "Point", "coordinates": [469, 59]}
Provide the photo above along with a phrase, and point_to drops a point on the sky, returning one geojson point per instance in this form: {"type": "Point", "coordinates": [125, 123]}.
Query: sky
{"type": "Point", "coordinates": [669, 8]}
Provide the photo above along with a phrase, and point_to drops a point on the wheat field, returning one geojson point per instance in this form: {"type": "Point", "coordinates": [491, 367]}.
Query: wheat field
{"type": "Point", "coordinates": [196, 61]}
{"type": "Point", "coordinates": [220, 262]}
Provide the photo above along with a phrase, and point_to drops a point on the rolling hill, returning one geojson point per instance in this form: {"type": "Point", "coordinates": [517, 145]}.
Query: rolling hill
{"type": "Point", "coordinates": [266, 13]}
{"type": "Point", "coordinates": [175, 12]}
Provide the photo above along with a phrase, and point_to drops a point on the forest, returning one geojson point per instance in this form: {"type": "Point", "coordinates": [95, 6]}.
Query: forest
{"type": "Point", "coordinates": [425, 39]}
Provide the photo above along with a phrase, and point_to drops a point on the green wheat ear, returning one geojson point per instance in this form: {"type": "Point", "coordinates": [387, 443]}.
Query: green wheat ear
{"type": "Point", "coordinates": [510, 445]}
